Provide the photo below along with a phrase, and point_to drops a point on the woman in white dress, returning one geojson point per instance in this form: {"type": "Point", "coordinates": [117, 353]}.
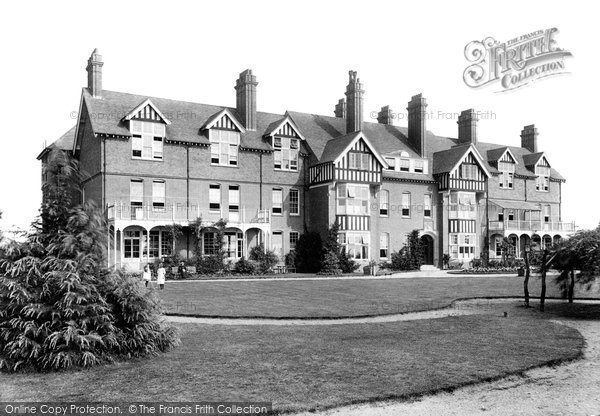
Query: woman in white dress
{"type": "Point", "coordinates": [160, 276]}
{"type": "Point", "coordinates": [147, 275]}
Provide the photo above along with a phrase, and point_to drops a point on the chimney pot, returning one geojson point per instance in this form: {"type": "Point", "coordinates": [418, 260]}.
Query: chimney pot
{"type": "Point", "coordinates": [385, 115]}
{"type": "Point", "coordinates": [354, 103]}
{"type": "Point", "coordinates": [340, 108]}
{"type": "Point", "coordinates": [467, 126]}
{"type": "Point", "coordinates": [246, 99]}
{"type": "Point", "coordinates": [416, 123]}
{"type": "Point", "coordinates": [94, 70]}
{"type": "Point", "coordinates": [529, 138]}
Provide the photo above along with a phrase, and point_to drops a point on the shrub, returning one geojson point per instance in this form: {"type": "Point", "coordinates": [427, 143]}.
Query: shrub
{"type": "Point", "coordinates": [244, 266]}
{"type": "Point", "coordinates": [309, 250]}
{"type": "Point", "coordinates": [290, 259]}
{"type": "Point", "coordinates": [347, 264]}
{"type": "Point", "coordinates": [61, 307]}
{"type": "Point", "coordinates": [410, 257]}
{"type": "Point", "coordinates": [266, 259]}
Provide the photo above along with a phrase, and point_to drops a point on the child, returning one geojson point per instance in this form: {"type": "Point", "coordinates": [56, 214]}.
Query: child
{"type": "Point", "coordinates": [147, 275]}
{"type": "Point", "coordinates": [160, 276]}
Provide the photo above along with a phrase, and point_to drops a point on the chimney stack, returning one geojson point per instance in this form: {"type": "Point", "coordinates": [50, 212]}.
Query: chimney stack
{"type": "Point", "coordinates": [385, 115]}
{"type": "Point", "coordinates": [246, 99]}
{"type": "Point", "coordinates": [416, 123]}
{"type": "Point", "coordinates": [94, 70]}
{"type": "Point", "coordinates": [340, 108]}
{"type": "Point", "coordinates": [354, 103]}
{"type": "Point", "coordinates": [529, 138]}
{"type": "Point", "coordinates": [467, 126]}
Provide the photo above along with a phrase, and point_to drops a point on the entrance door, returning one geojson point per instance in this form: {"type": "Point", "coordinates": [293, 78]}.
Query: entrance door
{"type": "Point", "coordinates": [427, 243]}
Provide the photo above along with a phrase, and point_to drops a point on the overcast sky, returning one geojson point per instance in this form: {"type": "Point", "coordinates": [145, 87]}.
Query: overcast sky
{"type": "Point", "coordinates": [301, 53]}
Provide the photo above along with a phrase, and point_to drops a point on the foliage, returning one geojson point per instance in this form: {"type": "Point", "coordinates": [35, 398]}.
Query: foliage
{"type": "Point", "coordinates": [244, 266]}
{"type": "Point", "coordinates": [290, 259]}
{"type": "Point", "coordinates": [446, 259]}
{"type": "Point", "coordinates": [347, 264]}
{"type": "Point", "coordinates": [330, 260]}
{"type": "Point", "coordinates": [61, 306]}
{"type": "Point", "coordinates": [409, 257]}
{"type": "Point", "coordinates": [309, 249]}
{"type": "Point", "coordinates": [580, 253]}
{"type": "Point", "coordinates": [266, 259]}
{"type": "Point", "coordinates": [213, 263]}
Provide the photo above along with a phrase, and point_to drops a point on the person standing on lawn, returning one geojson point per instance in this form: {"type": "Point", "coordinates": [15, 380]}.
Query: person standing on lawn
{"type": "Point", "coordinates": [147, 275]}
{"type": "Point", "coordinates": [160, 275]}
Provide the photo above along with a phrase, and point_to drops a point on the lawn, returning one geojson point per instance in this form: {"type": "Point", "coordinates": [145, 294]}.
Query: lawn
{"type": "Point", "coordinates": [310, 367]}
{"type": "Point", "coordinates": [338, 298]}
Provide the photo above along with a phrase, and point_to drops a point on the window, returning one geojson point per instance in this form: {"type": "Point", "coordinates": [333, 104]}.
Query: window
{"type": "Point", "coordinates": [147, 140]}
{"type": "Point", "coordinates": [286, 153]}
{"type": "Point", "coordinates": [224, 147]}
{"type": "Point", "coordinates": [154, 244]}
{"type": "Point", "coordinates": [427, 206]}
{"type": "Point", "coordinates": [391, 161]}
{"type": "Point", "coordinates": [511, 215]}
{"type": "Point", "coordinates": [419, 166]}
{"type": "Point", "coordinates": [463, 205]}
{"type": "Point", "coordinates": [277, 243]}
{"type": "Point", "coordinates": [498, 244]}
{"type": "Point", "coordinates": [166, 243]}
{"type": "Point", "coordinates": [352, 199]}
{"type": "Point", "coordinates": [384, 243]}
{"type": "Point", "coordinates": [468, 171]}
{"type": "Point", "coordinates": [356, 244]}
{"type": "Point", "coordinates": [294, 236]}
{"type": "Point", "coordinates": [404, 165]}
{"type": "Point", "coordinates": [136, 196]}
{"type": "Point", "coordinates": [294, 202]}
{"type": "Point", "coordinates": [384, 203]}
{"type": "Point", "coordinates": [358, 160]}
{"type": "Point", "coordinates": [546, 213]}
{"type": "Point", "coordinates": [277, 199]}
{"type": "Point", "coordinates": [158, 195]}
{"type": "Point", "coordinates": [131, 240]}
{"type": "Point", "coordinates": [234, 198]}
{"type": "Point", "coordinates": [543, 178]}
{"type": "Point", "coordinates": [214, 197]}
{"type": "Point", "coordinates": [507, 172]}
{"type": "Point", "coordinates": [462, 246]}
{"type": "Point", "coordinates": [209, 243]}
{"type": "Point", "coordinates": [406, 204]}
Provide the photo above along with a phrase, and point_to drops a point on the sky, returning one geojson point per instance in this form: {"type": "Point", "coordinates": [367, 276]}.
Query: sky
{"type": "Point", "coordinates": [301, 53]}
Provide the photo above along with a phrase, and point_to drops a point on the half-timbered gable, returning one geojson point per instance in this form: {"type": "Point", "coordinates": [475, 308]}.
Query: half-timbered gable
{"type": "Point", "coordinates": [223, 120]}
{"type": "Point", "coordinates": [146, 111]}
{"type": "Point", "coordinates": [351, 158]}
{"type": "Point", "coordinates": [460, 169]}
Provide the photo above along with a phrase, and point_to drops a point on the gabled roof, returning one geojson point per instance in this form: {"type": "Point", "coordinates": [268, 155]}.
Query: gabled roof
{"type": "Point", "coordinates": [447, 160]}
{"type": "Point", "coordinates": [533, 158]}
{"type": "Point", "coordinates": [275, 126]}
{"type": "Point", "coordinates": [215, 118]}
{"type": "Point", "coordinates": [64, 142]}
{"type": "Point", "coordinates": [336, 148]}
{"type": "Point", "coordinates": [494, 155]}
{"type": "Point", "coordinates": [141, 107]}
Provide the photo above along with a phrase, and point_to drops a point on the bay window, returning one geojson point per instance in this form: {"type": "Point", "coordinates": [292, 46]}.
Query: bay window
{"type": "Point", "coordinates": [462, 246]}
{"type": "Point", "coordinates": [147, 140]}
{"type": "Point", "coordinates": [356, 244]}
{"type": "Point", "coordinates": [352, 199]}
{"type": "Point", "coordinates": [285, 153]}
{"type": "Point", "coordinates": [224, 146]}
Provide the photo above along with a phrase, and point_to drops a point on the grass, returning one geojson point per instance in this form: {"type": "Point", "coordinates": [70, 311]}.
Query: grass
{"type": "Point", "coordinates": [311, 367]}
{"type": "Point", "coordinates": [338, 298]}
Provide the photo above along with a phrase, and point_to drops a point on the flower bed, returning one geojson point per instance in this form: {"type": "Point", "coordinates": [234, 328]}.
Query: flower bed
{"type": "Point", "coordinates": [486, 270]}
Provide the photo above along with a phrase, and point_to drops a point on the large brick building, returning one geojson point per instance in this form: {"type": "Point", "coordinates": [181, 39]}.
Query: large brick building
{"type": "Point", "coordinates": [152, 162]}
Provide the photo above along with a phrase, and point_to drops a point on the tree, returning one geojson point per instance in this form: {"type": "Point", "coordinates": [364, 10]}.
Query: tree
{"type": "Point", "coordinates": [61, 306]}
{"type": "Point", "coordinates": [580, 252]}
{"type": "Point", "coordinates": [265, 259]}
{"type": "Point", "coordinates": [409, 257]}
{"type": "Point", "coordinates": [309, 249]}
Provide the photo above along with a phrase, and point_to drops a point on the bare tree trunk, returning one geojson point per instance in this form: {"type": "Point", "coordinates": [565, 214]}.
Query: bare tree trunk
{"type": "Point", "coordinates": [543, 294]}
{"type": "Point", "coordinates": [571, 285]}
{"type": "Point", "coordinates": [526, 280]}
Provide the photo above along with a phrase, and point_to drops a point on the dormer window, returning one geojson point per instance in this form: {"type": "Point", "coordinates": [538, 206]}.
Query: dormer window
{"type": "Point", "coordinates": [542, 181]}
{"type": "Point", "coordinates": [404, 165]}
{"type": "Point", "coordinates": [507, 172]}
{"type": "Point", "coordinates": [285, 153]}
{"type": "Point", "coordinates": [391, 162]}
{"type": "Point", "coordinates": [224, 145]}
{"type": "Point", "coordinates": [147, 140]}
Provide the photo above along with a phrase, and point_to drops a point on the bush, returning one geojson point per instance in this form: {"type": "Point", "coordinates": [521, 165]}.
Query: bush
{"type": "Point", "coordinates": [309, 250]}
{"type": "Point", "coordinates": [266, 259]}
{"type": "Point", "coordinates": [290, 259]}
{"type": "Point", "coordinates": [410, 257]}
{"type": "Point", "coordinates": [61, 306]}
{"type": "Point", "coordinates": [347, 264]}
{"type": "Point", "coordinates": [244, 266]}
